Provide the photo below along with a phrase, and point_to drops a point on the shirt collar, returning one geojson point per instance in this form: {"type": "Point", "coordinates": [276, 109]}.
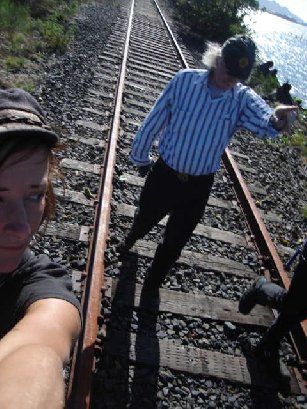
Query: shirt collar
{"type": "Point", "coordinates": [232, 93]}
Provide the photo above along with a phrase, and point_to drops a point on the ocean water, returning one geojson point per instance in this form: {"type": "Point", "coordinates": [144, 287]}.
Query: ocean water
{"type": "Point", "coordinates": [285, 43]}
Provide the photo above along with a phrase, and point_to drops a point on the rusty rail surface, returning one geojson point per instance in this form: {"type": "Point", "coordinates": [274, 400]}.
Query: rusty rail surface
{"type": "Point", "coordinates": [262, 237]}
{"type": "Point", "coordinates": [79, 394]}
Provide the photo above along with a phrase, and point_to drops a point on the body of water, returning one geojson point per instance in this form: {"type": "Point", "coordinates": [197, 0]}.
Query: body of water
{"type": "Point", "coordinates": [285, 43]}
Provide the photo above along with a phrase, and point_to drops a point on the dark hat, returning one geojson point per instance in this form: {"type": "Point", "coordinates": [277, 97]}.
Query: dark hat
{"type": "Point", "coordinates": [21, 114]}
{"type": "Point", "coordinates": [239, 56]}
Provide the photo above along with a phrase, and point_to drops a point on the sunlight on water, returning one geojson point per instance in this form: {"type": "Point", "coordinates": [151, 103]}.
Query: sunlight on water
{"type": "Point", "coordinates": [285, 43]}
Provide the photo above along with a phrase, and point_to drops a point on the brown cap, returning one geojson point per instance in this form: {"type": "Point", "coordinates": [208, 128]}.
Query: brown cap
{"type": "Point", "coordinates": [20, 113]}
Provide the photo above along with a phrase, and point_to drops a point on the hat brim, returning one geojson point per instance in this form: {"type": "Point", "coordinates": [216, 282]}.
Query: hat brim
{"type": "Point", "coordinates": [24, 129]}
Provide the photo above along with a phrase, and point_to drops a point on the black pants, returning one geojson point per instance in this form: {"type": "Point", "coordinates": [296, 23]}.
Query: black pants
{"type": "Point", "coordinates": [184, 198]}
{"type": "Point", "coordinates": [291, 304]}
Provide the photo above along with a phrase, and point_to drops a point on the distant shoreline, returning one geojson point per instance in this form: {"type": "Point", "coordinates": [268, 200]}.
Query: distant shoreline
{"type": "Point", "coordinates": [293, 20]}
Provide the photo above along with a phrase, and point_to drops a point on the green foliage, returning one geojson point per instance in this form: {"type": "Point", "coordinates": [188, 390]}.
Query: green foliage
{"type": "Point", "coordinates": [297, 101]}
{"type": "Point", "coordinates": [296, 138]}
{"type": "Point", "coordinates": [269, 84]}
{"type": "Point", "coordinates": [303, 117]}
{"type": "Point", "coordinates": [63, 13]}
{"type": "Point", "coordinates": [299, 139]}
{"type": "Point", "coordinates": [14, 63]}
{"type": "Point", "coordinates": [54, 34]}
{"type": "Point", "coordinates": [303, 211]}
{"type": "Point", "coordinates": [17, 43]}
{"type": "Point", "coordinates": [214, 19]}
{"type": "Point", "coordinates": [265, 84]}
{"type": "Point", "coordinates": [30, 27]}
{"type": "Point", "coordinates": [28, 85]}
{"type": "Point", "coordinates": [39, 8]}
{"type": "Point", "coordinates": [14, 17]}
{"type": "Point", "coordinates": [44, 8]}
{"type": "Point", "coordinates": [56, 30]}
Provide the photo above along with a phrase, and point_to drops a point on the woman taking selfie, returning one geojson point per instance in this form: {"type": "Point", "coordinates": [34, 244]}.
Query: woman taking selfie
{"type": "Point", "coordinates": [40, 316]}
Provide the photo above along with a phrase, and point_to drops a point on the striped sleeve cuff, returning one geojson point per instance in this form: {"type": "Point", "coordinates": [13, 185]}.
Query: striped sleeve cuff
{"type": "Point", "coordinates": [270, 130]}
{"type": "Point", "coordinates": [139, 162]}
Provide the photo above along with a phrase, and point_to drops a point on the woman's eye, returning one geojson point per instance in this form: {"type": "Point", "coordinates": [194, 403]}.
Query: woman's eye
{"type": "Point", "coordinates": [36, 197]}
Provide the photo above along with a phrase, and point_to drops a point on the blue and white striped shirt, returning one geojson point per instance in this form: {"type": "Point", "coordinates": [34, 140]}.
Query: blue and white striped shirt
{"type": "Point", "coordinates": [193, 128]}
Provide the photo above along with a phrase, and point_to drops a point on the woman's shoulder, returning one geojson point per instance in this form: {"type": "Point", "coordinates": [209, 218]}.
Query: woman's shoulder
{"type": "Point", "coordinates": [40, 270]}
{"type": "Point", "coordinates": [39, 277]}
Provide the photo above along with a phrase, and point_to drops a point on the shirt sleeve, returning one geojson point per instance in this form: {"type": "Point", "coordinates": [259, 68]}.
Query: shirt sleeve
{"type": "Point", "coordinates": [153, 125]}
{"type": "Point", "coordinates": [255, 116]}
{"type": "Point", "coordinates": [45, 279]}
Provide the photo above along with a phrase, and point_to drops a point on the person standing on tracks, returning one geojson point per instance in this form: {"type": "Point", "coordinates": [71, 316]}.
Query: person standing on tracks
{"type": "Point", "coordinates": [40, 315]}
{"type": "Point", "coordinates": [291, 304]}
{"type": "Point", "coordinates": [194, 119]}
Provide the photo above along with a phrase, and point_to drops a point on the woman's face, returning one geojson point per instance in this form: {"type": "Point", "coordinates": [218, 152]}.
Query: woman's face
{"type": "Point", "coordinates": [221, 77]}
{"type": "Point", "coordinates": [23, 185]}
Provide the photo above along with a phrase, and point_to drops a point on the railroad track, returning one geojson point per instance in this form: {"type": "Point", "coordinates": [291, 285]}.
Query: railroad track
{"type": "Point", "coordinates": [127, 355]}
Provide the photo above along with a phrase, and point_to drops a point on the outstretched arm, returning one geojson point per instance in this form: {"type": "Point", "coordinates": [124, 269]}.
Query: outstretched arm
{"type": "Point", "coordinates": [258, 117]}
{"type": "Point", "coordinates": [32, 355]}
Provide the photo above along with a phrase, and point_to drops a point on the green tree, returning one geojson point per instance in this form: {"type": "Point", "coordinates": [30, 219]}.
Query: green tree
{"type": "Point", "coordinates": [214, 19]}
{"type": "Point", "coordinates": [41, 8]}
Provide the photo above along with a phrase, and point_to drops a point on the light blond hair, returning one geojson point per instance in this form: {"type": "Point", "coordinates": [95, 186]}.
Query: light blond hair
{"type": "Point", "coordinates": [213, 51]}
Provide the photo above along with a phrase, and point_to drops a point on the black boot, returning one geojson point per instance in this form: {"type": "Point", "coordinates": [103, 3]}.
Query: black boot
{"type": "Point", "coordinates": [252, 296]}
{"type": "Point", "coordinates": [262, 292]}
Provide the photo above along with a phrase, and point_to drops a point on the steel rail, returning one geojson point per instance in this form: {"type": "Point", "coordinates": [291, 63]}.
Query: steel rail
{"type": "Point", "coordinates": [262, 237]}
{"type": "Point", "coordinates": [79, 394]}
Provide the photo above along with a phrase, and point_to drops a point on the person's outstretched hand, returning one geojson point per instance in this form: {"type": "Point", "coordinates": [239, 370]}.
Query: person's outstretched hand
{"type": "Point", "coordinates": [285, 115]}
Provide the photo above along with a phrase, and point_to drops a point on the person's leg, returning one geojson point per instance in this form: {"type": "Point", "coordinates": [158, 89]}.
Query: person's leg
{"type": "Point", "coordinates": [153, 205]}
{"type": "Point", "coordinates": [265, 293]}
{"type": "Point", "coordinates": [180, 226]}
{"type": "Point", "coordinates": [291, 302]}
{"type": "Point", "coordinates": [296, 300]}
{"type": "Point", "coordinates": [269, 294]}
{"type": "Point", "coordinates": [292, 307]}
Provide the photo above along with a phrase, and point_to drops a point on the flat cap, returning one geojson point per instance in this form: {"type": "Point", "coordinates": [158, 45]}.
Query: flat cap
{"type": "Point", "coordinates": [20, 113]}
